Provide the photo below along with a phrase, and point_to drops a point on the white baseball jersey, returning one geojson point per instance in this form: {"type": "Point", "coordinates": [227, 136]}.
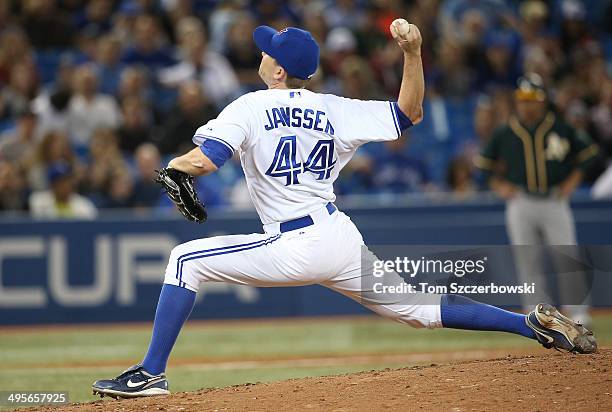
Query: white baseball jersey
{"type": "Point", "coordinates": [293, 143]}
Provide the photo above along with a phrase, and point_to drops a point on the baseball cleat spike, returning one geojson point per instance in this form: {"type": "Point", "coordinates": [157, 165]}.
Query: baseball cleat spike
{"type": "Point", "coordinates": [553, 330]}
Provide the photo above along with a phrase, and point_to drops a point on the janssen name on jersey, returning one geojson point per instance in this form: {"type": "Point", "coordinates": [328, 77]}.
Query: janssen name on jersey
{"type": "Point", "coordinates": [298, 117]}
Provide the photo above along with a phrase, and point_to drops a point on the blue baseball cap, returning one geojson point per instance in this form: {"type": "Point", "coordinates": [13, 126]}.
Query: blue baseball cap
{"type": "Point", "coordinates": [57, 171]}
{"type": "Point", "coordinates": [294, 49]}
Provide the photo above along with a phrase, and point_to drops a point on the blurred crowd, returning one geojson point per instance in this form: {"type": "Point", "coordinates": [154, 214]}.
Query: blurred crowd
{"type": "Point", "coordinates": [95, 95]}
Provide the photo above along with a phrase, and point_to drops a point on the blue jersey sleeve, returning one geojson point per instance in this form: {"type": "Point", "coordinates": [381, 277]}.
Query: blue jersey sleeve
{"type": "Point", "coordinates": [404, 121]}
{"type": "Point", "coordinates": [217, 152]}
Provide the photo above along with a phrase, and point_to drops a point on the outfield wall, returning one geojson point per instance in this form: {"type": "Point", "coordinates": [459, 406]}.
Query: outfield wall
{"type": "Point", "coordinates": [110, 269]}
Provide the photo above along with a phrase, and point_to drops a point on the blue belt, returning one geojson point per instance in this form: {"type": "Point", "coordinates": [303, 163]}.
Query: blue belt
{"type": "Point", "coordinates": [305, 221]}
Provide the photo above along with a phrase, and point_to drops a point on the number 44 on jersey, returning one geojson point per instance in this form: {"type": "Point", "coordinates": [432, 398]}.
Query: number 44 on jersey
{"type": "Point", "coordinates": [285, 163]}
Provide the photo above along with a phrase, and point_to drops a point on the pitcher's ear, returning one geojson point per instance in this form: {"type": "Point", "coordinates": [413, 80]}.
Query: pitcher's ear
{"type": "Point", "coordinates": [280, 73]}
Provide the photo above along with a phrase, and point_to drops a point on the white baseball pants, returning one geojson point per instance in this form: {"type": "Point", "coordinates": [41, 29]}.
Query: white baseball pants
{"type": "Point", "coordinates": [327, 252]}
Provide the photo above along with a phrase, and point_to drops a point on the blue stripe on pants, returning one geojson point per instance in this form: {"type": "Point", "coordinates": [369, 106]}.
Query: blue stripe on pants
{"type": "Point", "coordinates": [219, 251]}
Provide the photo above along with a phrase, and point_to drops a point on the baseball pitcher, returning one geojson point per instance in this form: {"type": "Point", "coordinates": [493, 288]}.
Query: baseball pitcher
{"type": "Point", "coordinates": [292, 145]}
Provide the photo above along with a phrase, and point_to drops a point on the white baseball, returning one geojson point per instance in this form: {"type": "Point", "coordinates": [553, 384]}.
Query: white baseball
{"type": "Point", "coordinates": [400, 28]}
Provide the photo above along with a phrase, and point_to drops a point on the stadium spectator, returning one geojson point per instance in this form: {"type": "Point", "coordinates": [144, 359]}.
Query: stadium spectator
{"type": "Point", "coordinates": [340, 43]}
{"type": "Point", "coordinates": [61, 81]}
{"type": "Point", "coordinates": [107, 65]}
{"type": "Point", "coordinates": [61, 201]}
{"type": "Point", "coordinates": [575, 32]}
{"type": "Point", "coordinates": [21, 89]}
{"type": "Point", "coordinates": [13, 188]}
{"type": "Point", "coordinates": [578, 117]}
{"type": "Point", "coordinates": [371, 35]}
{"type": "Point", "coordinates": [95, 18]}
{"type": "Point", "coordinates": [601, 116]}
{"type": "Point", "coordinates": [136, 126]}
{"type": "Point", "coordinates": [241, 52]}
{"type": "Point", "coordinates": [192, 111]}
{"type": "Point", "coordinates": [149, 49]}
{"type": "Point", "coordinates": [533, 20]}
{"type": "Point", "coordinates": [119, 193]}
{"type": "Point", "coordinates": [47, 25]}
{"type": "Point", "coordinates": [357, 177]}
{"type": "Point", "coordinates": [146, 192]}
{"type": "Point", "coordinates": [134, 84]}
{"type": "Point", "coordinates": [54, 147]}
{"type": "Point", "coordinates": [123, 21]}
{"type": "Point", "coordinates": [52, 110]}
{"type": "Point", "coordinates": [459, 178]}
{"type": "Point", "coordinates": [397, 171]}
{"type": "Point", "coordinates": [543, 61]}
{"type": "Point", "coordinates": [274, 13]}
{"type": "Point", "coordinates": [211, 69]}
{"type": "Point", "coordinates": [485, 122]}
{"type": "Point", "coordinates": [14, 48]}
{"type": "Point", "coordinates": [470, 20]}
{"type": "Point", "coordinates": [356, 79]}
{"type": "Point", "coordinates": [345, 13]}
{"type": "Point", "coordinates": [314, 21]}
{"type": "Point", "coordinates": [18, 145]}
{"type": "Point", "coordinates": [105, 160]}
{"type": "Point", "coordinates": [220, 20]}
{"type": "Point", "coordinates": [175, 10]}
{"type": "Point", "coordinates": [503, 105]}
{"type": "Point", "coordinates": [451, 76]}
{"type": "Point", "coordinates": [501, 66]}
{"type": "Point", "coordinates": [88, 109]}
{"type": "Point", "coordinates": [86, 44]}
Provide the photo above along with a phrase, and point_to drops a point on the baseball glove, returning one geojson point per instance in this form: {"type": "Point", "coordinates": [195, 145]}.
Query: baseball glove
{"type": "Point", "coordinates": [179, 188]}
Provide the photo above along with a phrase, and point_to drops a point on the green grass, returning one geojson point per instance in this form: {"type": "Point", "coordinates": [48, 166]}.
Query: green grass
{"type": "Point", "coordinates": [71, 358]}
{"type": "Point", "coordinates": [78, 383]}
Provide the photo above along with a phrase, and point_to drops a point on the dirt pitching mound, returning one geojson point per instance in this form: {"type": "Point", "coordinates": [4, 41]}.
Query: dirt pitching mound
{"type": "Point", "coordinates": [555, 381]}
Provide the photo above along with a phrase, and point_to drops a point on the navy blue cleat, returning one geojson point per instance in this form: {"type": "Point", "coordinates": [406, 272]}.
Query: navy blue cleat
{"type": "Point", "coordinates": [553, 330]}
{"type": "Point", "coordinates": [135, 382]}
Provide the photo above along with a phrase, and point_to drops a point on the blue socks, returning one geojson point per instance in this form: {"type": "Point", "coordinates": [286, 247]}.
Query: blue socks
{"type": "Point", "coordinates": [173, 309]}
{"type": "Point", "coordinates": [459, 312]}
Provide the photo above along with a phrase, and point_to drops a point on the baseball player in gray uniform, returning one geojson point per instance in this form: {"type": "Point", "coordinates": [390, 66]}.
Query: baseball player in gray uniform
{"type": "Point", "coordinates": [535, 163]}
